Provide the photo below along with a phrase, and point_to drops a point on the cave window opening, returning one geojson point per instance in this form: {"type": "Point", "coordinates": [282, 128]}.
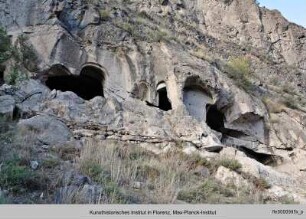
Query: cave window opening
{"type": "Point", "coordinates": [163, 100]}
{"type": "Point", "coordinates": [215, 118]}
{"type": "Point", "coordinates": [87, 85]}
{"type": "Point", "coordinates": [1, 77]}
{"type": "Point", "coordinates": [94, 76]}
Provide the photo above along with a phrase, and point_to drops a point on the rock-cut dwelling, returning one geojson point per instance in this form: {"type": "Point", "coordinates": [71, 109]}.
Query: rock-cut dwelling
{"type": "Point", "coordinates": [88, 84]}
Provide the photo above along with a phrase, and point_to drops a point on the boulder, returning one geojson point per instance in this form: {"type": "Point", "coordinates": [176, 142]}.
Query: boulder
{"type": "Point", "coordinates": [29, 95]}
{"type": "Point", "coordinates": [48, 130]}
{"type": "Point", "coordinates": [6, 89]}
{"type": "Point", "coordinates": [7, 106]}
{"type": "Point", "coordinates": [229, 177]}
{"type": "Point", "coordinates": [257, 169]}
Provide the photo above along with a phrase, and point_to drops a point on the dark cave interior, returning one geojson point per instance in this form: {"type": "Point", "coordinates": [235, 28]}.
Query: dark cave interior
{"type": "Point", "coordinates": [163, 101]}
{"type": "Point", "coordinates": [214, 118]}
{"type": "Point", "coordinates": [87, 85]}
{"type": "Point", "coordinates": [2, 69]}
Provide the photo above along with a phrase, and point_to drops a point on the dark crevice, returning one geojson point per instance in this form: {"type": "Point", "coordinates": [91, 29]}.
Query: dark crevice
{"type": "Point", "coordinates": [1, 78]}
{"type": "Point", "coordinates": [165, 2]}
{"type": "Point", "coordinates": [2, 75]}
{"type": "Point", "coordinates": [151, 104]}
{"type": "Point", "coordinates": [234, 133]}
{"type": "Point", "coordinates": [267, 159]}
{"type": "Point", "coordinates": [163, 101]}
{"type": "Point", "coordinates": [285, 149]}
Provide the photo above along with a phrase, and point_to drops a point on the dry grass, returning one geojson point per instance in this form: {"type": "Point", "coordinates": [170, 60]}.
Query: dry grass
{"type": "Point", "coordinates": [229, 163]}
{"type": "Point", "coordinates": [17, 150]}
{"type": "Point", "coordinates": [121, 173]}
{"type": "Point", "coordinates": [239, 69]}
{"type": "Point", "coordinates": [274, 106]}
{"type": "Point", "coordinates": [158, 179]}
{"type": "Point", "coordinates": [165, 179]}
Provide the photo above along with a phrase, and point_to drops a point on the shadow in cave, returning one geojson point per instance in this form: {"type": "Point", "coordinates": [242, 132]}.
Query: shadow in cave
{"type": "Point", "coordinates": [163, 101]}
{"type": "Point", "coordinates": [1, 78]}
{"type": "Point", "coordinates": [215, 118]}
{"type": "Point", "coordinates": [267, 159]}
{"type": "Point", "coordinates": [84, 86]}
{"type": "Point", "coordinates": [1, 75]}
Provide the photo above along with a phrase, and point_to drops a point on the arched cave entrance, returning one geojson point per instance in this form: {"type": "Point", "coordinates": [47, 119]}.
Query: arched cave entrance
{"type": "Point", "coordinates": [215, 118]}
{"type": "Point", "coordinates": [87, 85]}
{"type": "Point", "coordinates": [163, 100]}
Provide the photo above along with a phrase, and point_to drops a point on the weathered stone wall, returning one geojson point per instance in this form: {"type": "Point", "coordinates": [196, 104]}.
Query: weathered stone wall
{"type": "Point", "coordinates": [75, 34]}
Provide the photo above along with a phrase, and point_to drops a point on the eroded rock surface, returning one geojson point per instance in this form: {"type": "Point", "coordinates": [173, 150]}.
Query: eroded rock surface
{"type": "Point", "coordinates": [156, 73]}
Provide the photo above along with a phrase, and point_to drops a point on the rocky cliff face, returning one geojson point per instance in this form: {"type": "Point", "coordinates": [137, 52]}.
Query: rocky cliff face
{"type": "Point", "coordinates": [210, 76]}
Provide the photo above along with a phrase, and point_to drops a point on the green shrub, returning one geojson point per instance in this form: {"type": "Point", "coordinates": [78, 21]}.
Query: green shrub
{"type": "Point", "coordinates": [16, 176]}
{"type": "Point", "coordinates": [50, 163]}
{"type": "Point", "coordinates": [26, 53]}
{"type": "Point", "coordinates": [5, 46]}
{"type": "Point", "coordinates": [139, 30]}
{"type": "Point", "coordinates": [231, 164]}
{"type": "Point", "coordinates": [105, 14]}
{"type": "Point", "coordinates": [112, 193]}
{"type": "Point", "coordinates": [209, 192]}
{"type": "Point", "coordinates": [290, 102]}
{"type": "Point", "coordinates": [15, 76]}
{"type": "Point", "coordinates": [195, 160]}
{"type": "Point", "coordinates": [92, 169]}
{"type": "Point", "coordinates": [239, 70]}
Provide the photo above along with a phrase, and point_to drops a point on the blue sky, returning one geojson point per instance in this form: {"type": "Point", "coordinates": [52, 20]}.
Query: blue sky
{"type": "Point", "coordinates": [292, 10]}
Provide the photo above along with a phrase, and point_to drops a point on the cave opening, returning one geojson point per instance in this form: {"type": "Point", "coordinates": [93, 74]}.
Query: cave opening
{"type": "Point", "coordinates": [163, 100]}
{"type": "Point", "coordinates": [215, 118]}
{"type": "Point", "coordinates": [87, 85]}
{"type": "Point", "coordinates": [1, 77]}
{"type": "Point", "coordinates": [2, 69]}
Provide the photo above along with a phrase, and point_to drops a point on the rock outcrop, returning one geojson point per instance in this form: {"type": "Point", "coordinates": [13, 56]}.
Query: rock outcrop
{"type": "Point", "coordinates": [159, 73]}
